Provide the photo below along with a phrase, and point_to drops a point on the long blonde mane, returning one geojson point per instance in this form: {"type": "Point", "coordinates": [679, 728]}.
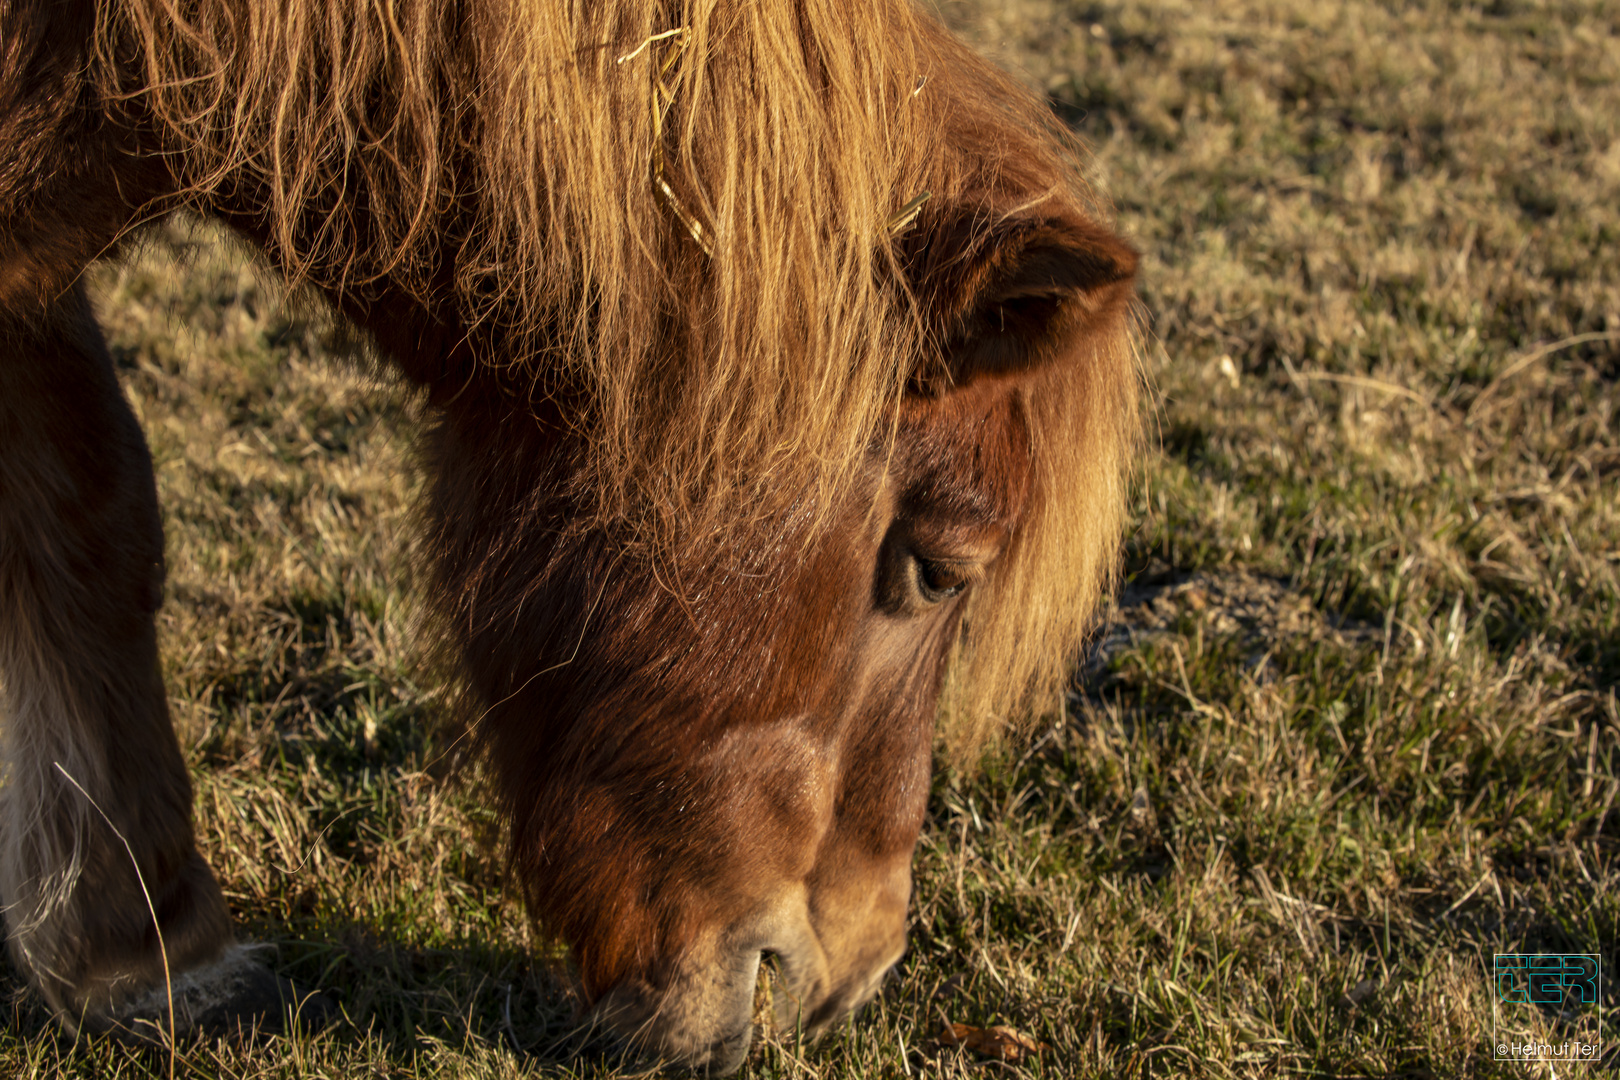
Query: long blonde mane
{"type": "Point", "coordinates": [597, 188]}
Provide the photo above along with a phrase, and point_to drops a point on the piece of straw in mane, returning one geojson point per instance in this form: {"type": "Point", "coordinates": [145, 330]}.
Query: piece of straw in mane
{"type": "Point", "coordinates": [501, 154]}
{"type": "Point", "coordinates": [494, 159]}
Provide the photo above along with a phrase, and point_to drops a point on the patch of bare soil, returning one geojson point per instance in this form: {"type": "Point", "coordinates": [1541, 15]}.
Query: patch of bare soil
{"type": "Point", "coordinates": [1258, 610]}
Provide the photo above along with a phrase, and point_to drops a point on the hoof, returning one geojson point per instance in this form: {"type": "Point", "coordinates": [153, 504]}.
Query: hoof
{"type": "Point", "coordinates": [236, 996]}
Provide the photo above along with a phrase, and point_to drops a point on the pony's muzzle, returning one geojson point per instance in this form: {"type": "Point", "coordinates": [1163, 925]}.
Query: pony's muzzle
{"type": "Point", "coordinates": [701, 1013]}
{"type": "Point", "coordinates": [701, 1020]}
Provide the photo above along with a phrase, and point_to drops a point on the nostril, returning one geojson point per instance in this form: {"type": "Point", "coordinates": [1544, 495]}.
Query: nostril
{"type": "Point", "coordinates": [769, 986]}
{"type": "Point", "coordinates": [788, 993]}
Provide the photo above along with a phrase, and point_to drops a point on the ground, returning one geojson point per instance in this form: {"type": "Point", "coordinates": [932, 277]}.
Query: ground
{"type": "Point", "coordinates": [1351, 730]}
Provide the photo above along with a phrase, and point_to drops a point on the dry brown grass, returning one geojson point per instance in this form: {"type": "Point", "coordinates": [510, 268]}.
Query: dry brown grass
{"type": "Point", "coordinates": [1354, 728]}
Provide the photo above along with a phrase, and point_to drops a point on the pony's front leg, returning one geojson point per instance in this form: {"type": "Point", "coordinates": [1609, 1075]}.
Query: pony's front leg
{"type": "Point", "coordinates": [110, 909]}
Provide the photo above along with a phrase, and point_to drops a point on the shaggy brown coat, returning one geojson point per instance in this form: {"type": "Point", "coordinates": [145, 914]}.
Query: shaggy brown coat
{"type": "Point", "coordinates": [494, 160]}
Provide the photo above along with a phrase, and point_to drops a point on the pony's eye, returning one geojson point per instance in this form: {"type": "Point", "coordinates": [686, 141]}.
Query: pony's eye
{"type": "Point", "coordinates": [916, 576]}
{"type": "Point", "coordinates": [938, 581]}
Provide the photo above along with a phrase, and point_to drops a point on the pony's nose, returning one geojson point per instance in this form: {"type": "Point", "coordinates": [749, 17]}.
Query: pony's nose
{"type": "Point", "coordinates": [701, 1020]}
{"type": "Point", "coordinates": [698, 1011]}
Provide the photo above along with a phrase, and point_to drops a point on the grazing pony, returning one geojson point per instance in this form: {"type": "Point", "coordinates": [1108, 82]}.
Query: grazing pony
{"type": "Point", "coordinates": [780, 399]}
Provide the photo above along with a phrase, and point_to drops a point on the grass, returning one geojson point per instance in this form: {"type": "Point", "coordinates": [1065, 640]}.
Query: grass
{"type": "Point", "coordinates": [1352, 729]}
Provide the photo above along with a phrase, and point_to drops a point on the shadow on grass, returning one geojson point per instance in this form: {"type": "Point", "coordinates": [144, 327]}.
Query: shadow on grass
{"type": "Point", "coordinates": [395, 1001]}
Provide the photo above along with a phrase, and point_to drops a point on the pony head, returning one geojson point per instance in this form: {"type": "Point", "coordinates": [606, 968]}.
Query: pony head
{"type": "Point", "coordinates": [719, 752]}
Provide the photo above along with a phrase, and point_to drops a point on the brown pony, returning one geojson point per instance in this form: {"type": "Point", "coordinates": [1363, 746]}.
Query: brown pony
{"type": "Point", "coordinates": [781, 399]}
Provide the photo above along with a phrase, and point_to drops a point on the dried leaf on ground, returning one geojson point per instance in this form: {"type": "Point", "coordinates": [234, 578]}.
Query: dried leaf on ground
{"type": "Point", "coordinates": [1001, 1043]}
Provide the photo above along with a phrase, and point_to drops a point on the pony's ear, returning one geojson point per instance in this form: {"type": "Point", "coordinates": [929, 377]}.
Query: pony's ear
{"type": "Point", "coordinates": [1008, 296]}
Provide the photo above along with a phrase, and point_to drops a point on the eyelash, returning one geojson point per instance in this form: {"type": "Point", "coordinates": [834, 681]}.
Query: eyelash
{"type": "Point", "coordinates": [939, 581]}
